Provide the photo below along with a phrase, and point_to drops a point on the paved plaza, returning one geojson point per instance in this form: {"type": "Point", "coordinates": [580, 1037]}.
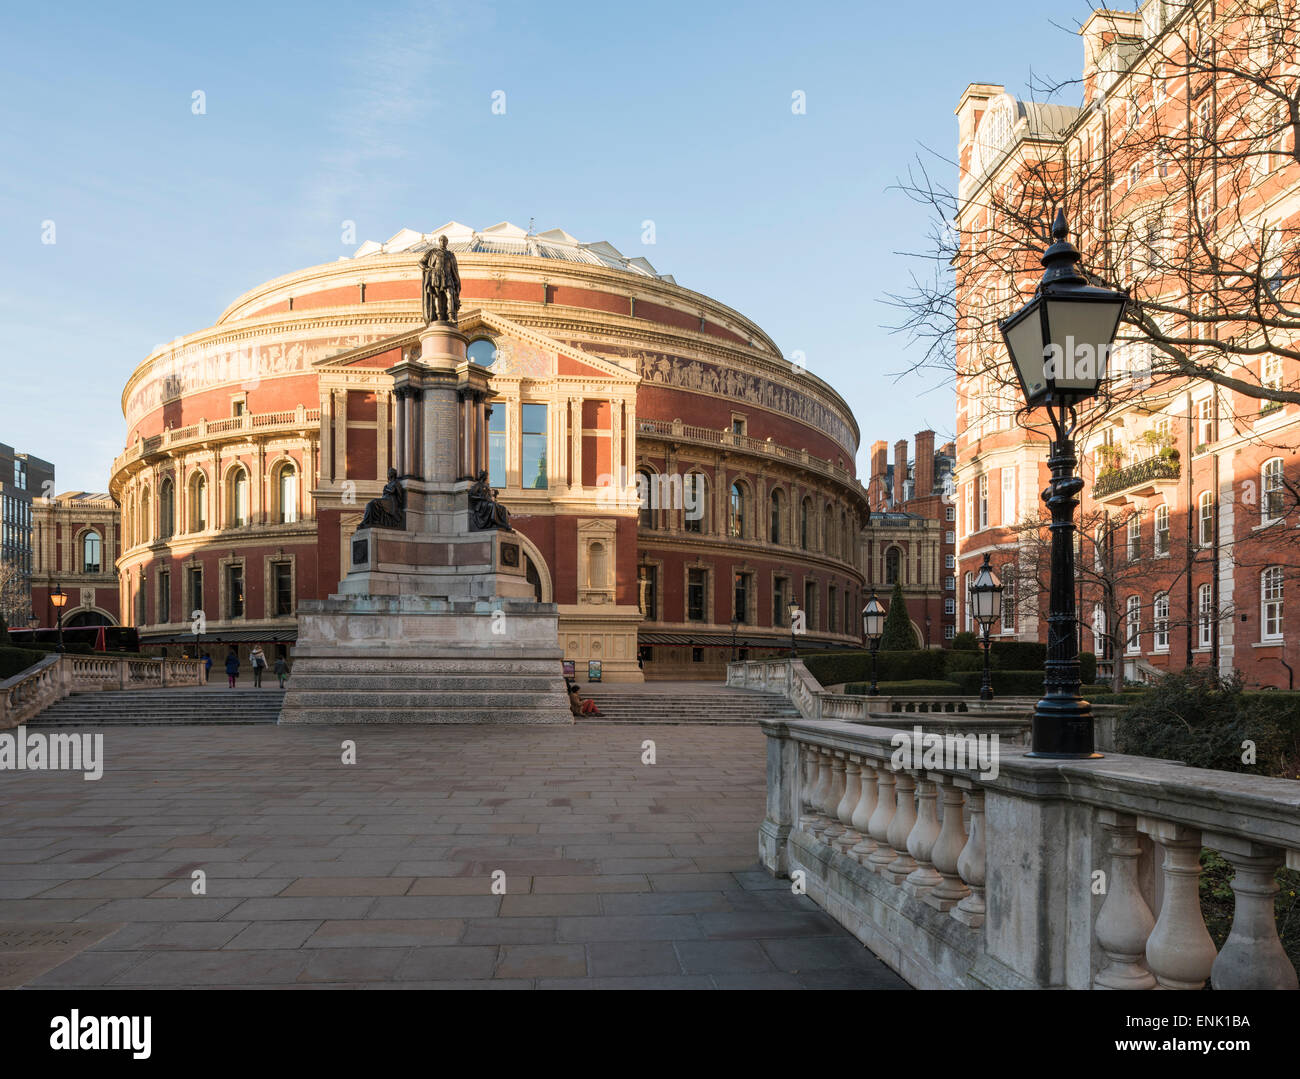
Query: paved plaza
{"type": "Point", "coordinates": [379, 874]}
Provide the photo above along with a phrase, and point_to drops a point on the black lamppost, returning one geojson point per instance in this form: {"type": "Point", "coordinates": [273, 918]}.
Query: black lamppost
{"type": "Point", "coordinates": [986, 607]}
{"type": "Point", "coordinates": [792, 609]}
{"type": "Point", "coordinates": [873, 625]}
{"type": "Point", "coordinates": [735, 625]}
{"type": "Point", "coordinates": [59, 597]}
{"type": "Point", "coordinates": [1059, 344]}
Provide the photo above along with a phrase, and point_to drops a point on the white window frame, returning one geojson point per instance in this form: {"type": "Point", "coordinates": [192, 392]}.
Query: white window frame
{"type": "Point", "coordinates": [1160, 622]}
{"type": "Point", "coordinates": [1270, 480]}
{"type": "Point", "coordinates": [1204, 616]}
{"type": "Point", "coordinates": [1009, 496]}
{"type": "Point", "coordinates": [1133, 625]}
{"type": "Point", "coordinates": [1161, 546]}
{"type": "Point", "coordinates": [1205, 519]}
{"type": "Point", "coordinates": [984, 501]}
{"type": "Point", "coordinates": [1133, 538]}
{"type": "Point", "coordinates": [1270, 604]}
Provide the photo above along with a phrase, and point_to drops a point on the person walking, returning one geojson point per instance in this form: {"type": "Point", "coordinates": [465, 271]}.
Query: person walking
{"type": "Point", "coordinates": [207, 666]}
{"type": "Point", "coordinates": [232, 668]}
{"type": "Point", "coordinates": [281, 670]}
{"type": "Point", "coordinates": [258, 658]}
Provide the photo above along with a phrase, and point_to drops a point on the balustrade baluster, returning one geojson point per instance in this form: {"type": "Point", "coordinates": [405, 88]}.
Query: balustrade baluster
{"type": "Point", "coordinates": [900, 828]}
{"type": "Point", "coordinates": [947, 849]}
{"type": "Point", "coordinates": [852, 793]}
{"type": "Point", "coordinates": [970, 911]}
{"type": "Point", "coordinates": [1125, 921]}
{"type": "Point", "coordinates": [862, 813]}
{"type": "Point", "coordinates": [1180, 951]}
{"type": "Point", "coordinates": [922, 838]}
{"type": "Point", "coordinates": [1252, 957]}
{"type": "Point", "coordinates": [833, 796]}
{"type": "Point", "coordinates": [886, 807]}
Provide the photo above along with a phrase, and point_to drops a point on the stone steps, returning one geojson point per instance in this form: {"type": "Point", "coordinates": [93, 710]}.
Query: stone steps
{"type": "Point", "coordinates": [706, 705]}
{"type": "Point", "coordinates": [164, 707]}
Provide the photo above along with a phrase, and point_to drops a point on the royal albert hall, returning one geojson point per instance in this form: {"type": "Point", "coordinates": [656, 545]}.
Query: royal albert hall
{"type": "Point", "coordinates": [675, 482]}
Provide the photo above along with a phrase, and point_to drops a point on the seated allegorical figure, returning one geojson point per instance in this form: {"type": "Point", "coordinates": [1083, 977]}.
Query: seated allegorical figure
{"type": "Point", "coordinates": [485, 512]}
{"type": "Point", "coordinates": [389, 509]}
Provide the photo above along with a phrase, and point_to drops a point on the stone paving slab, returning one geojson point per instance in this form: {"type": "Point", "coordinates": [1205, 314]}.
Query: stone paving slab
{"type": "Point", "coordinates": [448, 858]}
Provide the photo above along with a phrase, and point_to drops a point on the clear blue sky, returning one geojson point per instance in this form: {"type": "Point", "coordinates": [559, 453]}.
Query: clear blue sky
{"type": "Point", "coordinates": [380, 113]}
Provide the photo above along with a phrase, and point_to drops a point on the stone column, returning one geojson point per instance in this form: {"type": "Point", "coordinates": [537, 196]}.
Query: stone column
{"type": "Point", "coordinates": [900, 828]}
{"type": "Point", "coordinates": [849, 803]}
{"type": "Point", "coordinates": [327, 436]}
{"type": "Point", "coordinates": [402, 450]}
{"type": "Point", "coordinates": [971, 864]}
{"type": "Point", "coordinates": [922, 838]}
{"type": "Point", "coordinates": [340, 434]}
{"type": "Point", "coordinates": [575, 408]}
{"type": "Point", "coordinates": [947, 849]}
{"type": "Point", "coordinates": [834, 796]}
{"type": "Point", "coordinates": [381, 435]}
{"type": "Point", "coordinates": [865, 808]}
{"type": "Point", "coordinates": [886, 807]}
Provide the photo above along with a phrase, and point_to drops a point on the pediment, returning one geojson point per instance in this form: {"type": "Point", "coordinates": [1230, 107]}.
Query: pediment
{"type": "Point", "coordinates": [526, 353]}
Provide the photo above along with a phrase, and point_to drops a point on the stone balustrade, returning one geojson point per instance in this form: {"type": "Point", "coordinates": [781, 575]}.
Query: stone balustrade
{"type": "Point", "coordinates": [30, 692]}
{"type": "Point", "coordinates": [1006, 871]}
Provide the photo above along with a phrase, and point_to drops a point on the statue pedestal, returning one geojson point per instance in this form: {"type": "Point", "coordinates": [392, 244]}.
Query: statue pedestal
{"type": "Point", "coordinates": [433, 623]}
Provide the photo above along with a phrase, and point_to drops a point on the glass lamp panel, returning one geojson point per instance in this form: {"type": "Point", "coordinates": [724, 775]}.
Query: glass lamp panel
{"type": "Point", "coordinates": [1083, 330]}
{"type": "Point", "coordinates": [1024, 339]}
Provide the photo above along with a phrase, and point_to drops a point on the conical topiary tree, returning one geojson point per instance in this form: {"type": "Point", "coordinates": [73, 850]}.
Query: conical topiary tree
{"type": "Point", "coordinates": [897, 635]}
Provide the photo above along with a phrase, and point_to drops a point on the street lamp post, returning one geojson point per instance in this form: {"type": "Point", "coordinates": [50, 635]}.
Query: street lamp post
{"type": "Point", "coordinates": [873, 625]}
{"type": "Point", "coordinates": [735, 625]}
{"type": "Point", "coordinates": [59, 597]}
{"type": "Point", "coordinates": [792, 609]}
{"type": "Point", "coordinates": [1059, 343]}
{"type": "Point", "coordinates": [986, 606]}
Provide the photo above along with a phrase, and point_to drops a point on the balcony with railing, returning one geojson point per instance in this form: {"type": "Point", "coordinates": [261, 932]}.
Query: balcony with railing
{"type": "Point", "coordinates": [712, 436]}
{"type": "Point", "coordinates": [253, 423]}
{"type": "Point", "coordinates": [1138, 479]}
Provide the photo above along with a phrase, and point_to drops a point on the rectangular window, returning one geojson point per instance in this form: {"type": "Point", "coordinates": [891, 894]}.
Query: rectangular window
{"type": "Point", "coordinates": [282, 589]}
{"type": "Point", "coordinates": [950, 537]}
{"type": "Point", "coordinates": [780, 590]}
{"type": "Point", "coordinates": [195, 585]}
{"type": "Point", "coordinates": [1008, 496]}
{"type": "Point", "coordinates": [694, 502]}
{"type": "Point", "coordinates": [696, 596]}
{"type": "Point", "coordinates": [950, 584]}
{"type": "Point", "coordinates": [1133, 625]}
{"type": "Point", "coordinates": [950, 561]}
{"type": "Point", "coordinates": [1162, 530]}
{"type": "Point", "coordinates": [1205, 422]}
{"type": "Point", "coordinates": [809, 603]}
{"type": "Point", "coordinates": [1134, 538]}
{"type": "Point", "coordinates": [164, 596]}
{"type": "Point", "coordinates": [1270, 594]}
{"type": "Point", "coordinates": [970, 508]}
{"type": "Point", "coordinates": [1205, 518]}
{"type": "Point", "coordinates": [740, 598]}
{"type": "Point", "coordinates": [1204, 615]}
{"type": "Point", "coordinates": [949, 605]}
{"type": "Point", "coordinates": [647, 581]}
{"type": "Point", "coordinates": [950, 515]}
{"type": "Point", "coordinates": [949, 632]}
{"type": "Point", "coordinates": [832, 610]}
{"type": "Point", "coordinates": [1160, 623]}
{"type": "Point", "coordinates": [984, 502]}
{"type": "Point", "coordinates": [497, 445]}
{"type": "Point", "coordinates": [1270, 377]}
{"type": "Point", "coordinates": [533, 476]}
{"type": "Point", "coordinates": [234, 591]}
{"type": "Point", "coordinates": [142, 605]}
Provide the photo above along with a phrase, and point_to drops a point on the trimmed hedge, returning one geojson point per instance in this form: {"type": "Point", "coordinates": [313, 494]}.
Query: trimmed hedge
{"type": "Point", "coordinates": [914, 687]}
{"type": "Point", "coordinates": [1005, 683]}
{"type": "Point", "coordinates": [14, 660]}
{"type": "Point", "coordinates": [936, 664]}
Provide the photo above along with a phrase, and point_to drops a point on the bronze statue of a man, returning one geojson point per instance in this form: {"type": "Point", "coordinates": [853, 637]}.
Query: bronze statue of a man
{"type": "Point", "coordinates": [485, 512]}
{"type": "Point", "coordinates": [389, 509]}
{"type": "Point", "coordinates": [441, 283]}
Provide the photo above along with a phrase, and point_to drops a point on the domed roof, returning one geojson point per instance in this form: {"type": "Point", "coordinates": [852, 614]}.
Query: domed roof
{"type": "Point", "coordinates": [507, 239]}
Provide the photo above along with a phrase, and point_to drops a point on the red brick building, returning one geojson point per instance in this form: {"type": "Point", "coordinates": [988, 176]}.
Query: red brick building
{"type": "Point", "coordinates": [1188, 549]}
{"type": "Point", "coordinates": [667, 469]}
{"type": "Point", "coordinates": [75, 543]}
{"type": "Point", "coordinates": [911, 536]}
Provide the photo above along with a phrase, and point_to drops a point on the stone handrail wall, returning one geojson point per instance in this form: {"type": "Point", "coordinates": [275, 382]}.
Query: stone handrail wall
{"type": "Point", "coordinates": [30, 692]}
{"type": "Point", "coordinates": [722, 437]}
{"type": "Point", "coordinates": [288, 419]}
{"type": "Point", "coordinates": [964, 877]}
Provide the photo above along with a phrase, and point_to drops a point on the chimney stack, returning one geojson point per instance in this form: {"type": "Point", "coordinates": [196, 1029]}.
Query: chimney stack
{"type": "Point", "coordinates": [900, 473]}
{"type": "Point", "coordinates": [923, 470]}
{"type": "Point", "coordinates": [877, 489]}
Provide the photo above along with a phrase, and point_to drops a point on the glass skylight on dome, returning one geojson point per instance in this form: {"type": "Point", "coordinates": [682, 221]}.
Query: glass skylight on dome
{"type": "Point", "coordinates": [507, 239]}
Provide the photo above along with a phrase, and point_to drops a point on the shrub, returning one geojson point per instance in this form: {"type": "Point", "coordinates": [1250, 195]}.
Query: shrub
{"type": "Point", "coordinates": [965, 641]}
{"type": "Point", "coordinates": [15, 660]}
{"type": "Point", "coordinates": [1195, 717]}
{"type": "Point", "coordinates": [910, 688]}
{"type": "Point", "coordinates": [831, 668]}
{"type": "Point", "coordinates": [1017, 655]}
{"type": "Point", "coordinates": [898, 635]}
{"type": "Point", "coordinates": [1005, 683]}
{"type": "Point", "coordinates": [962, 661]}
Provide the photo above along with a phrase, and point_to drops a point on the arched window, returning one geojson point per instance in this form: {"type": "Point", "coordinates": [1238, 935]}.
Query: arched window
{"type": "Point", "coordinates": [146, 516]}
{"type": "Point", "coordinates": [805, 523]}
{"type": "Point", "coordinates": [1133, 624]}
{"type": "Point", "coordinates": [1162, 529]}
{"type": "Point", "coordinates": [695, 500]}
{"type": "Point", "coordinates": [1271, 489]}
{"type": "Point", "coordinates": [166, 509]}
{"type": "Point", "coordinates": [198, 500]}
{"type": "Point", "coordinates": [237, 499]}
{"type": "Point", "coordinates": [286, 493]}
{"type": "Point", "coordinates": [893, 565]}
{"type": "Point", "coordinates": [775, 532]}
{"type": "Point", "coordinates": [1270, 603]}
{"type": "Point", "coordinates": [737, 511]}
{"type": "Point", "coordinates": [647, 516]}
{"type": "Point", "coordinates": [92, 553]}
{"type": "Point", "coordinates": [597, 566]}
{"type": "Point", "coordinates": [1160, 622]}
